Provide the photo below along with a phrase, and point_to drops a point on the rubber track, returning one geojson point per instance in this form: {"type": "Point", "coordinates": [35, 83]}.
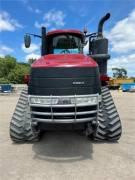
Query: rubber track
{"type": "Point", "coordinates": [109, 124]}
{"type": "Point", "coordinates": [20, 125]}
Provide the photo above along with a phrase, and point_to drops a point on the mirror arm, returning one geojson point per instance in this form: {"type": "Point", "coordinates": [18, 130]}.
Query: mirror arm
{"type": "Point", "coordinates": [92, 34]}
{"type": "Point", "coordinates": [35, 35]}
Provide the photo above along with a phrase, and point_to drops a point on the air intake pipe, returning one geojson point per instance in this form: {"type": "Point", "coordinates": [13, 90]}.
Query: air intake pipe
{"type": "Point", "coordinates": [43, 41]}
{"type": "Point", "coordinates": [101, 23]}
{"type": "Point", "coordinates": [98, 47]}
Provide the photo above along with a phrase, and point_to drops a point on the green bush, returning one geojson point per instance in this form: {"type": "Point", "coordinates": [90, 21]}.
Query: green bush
{"type": "Point", "coordinates": [12, 71]}
{"type": "Point", "coordinates": [4, 81]}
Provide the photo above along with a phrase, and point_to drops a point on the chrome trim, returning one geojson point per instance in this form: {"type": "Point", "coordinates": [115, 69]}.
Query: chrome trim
{"type": "Point", "coordinates": [51, 108]}
{"type": "Point", "coordinates": [72, 96]}
{"type": "Point", "coordinates": [62, 105]}
{"type": "Point", "coordinates": [75, 107]}
{"type": "Point", "coordinates": [64, 120]}
{"type": "Point", "coordinates": [63, 113]}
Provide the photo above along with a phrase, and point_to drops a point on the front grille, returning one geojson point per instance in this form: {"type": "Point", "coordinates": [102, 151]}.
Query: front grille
{"type": "Point", "coordinates": [62, 81]}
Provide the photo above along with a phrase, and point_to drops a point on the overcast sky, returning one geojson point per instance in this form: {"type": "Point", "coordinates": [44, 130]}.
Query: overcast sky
{"type": "Point", "coordinates": [20, 16]}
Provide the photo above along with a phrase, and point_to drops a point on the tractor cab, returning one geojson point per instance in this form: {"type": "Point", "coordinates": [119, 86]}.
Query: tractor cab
{"type": "Point", "coordinates": [64, 42]}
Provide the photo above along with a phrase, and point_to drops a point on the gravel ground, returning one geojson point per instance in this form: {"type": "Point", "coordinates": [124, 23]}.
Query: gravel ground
{"type": "Point", "coordinates": [68, 155]}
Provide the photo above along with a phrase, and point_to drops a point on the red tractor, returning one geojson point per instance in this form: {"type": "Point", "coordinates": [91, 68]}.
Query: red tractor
{"type": "Point", "coordinates": [67, 89]}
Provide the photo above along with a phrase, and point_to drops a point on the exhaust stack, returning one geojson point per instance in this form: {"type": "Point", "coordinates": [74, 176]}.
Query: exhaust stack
{"type": "Point", "coordinates": [101, 23]}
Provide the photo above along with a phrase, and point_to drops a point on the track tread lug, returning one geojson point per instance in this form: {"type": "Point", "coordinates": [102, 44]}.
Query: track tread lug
{"type": "Point", "coordinates": [20, 126]}
{"type": "Point", "coordinates": [114, 128]}
{"type": "Point", "coordinates": [109, 127]}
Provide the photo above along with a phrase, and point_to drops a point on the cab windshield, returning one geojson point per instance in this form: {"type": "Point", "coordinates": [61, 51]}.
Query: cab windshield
{"type": "Point", "coordinates": [66, 44]}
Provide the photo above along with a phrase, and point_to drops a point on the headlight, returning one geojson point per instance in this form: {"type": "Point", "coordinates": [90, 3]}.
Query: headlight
{"type": "Point", "coordinates": [40, 100]}
{"type": "Point", "coordinates": [86, 100]}
{"type": "Point", "coordinates": [64, 100]}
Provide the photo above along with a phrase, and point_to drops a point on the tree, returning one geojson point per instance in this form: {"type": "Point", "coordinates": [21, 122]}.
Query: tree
{"type": "Point", "coordinates": [12, 71]}
{"type": "Point", "coordinates": [17, 75]}
{"type": "Point", "coordinates": [4, 80]}
{"type": "Point", "coordinates": [119, 73]}
{"type": "Point", "coordinates": [7, 63]}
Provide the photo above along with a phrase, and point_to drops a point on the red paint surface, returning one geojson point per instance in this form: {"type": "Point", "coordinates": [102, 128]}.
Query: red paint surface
{"type": "Point", "coordinates": [104, 78]}
{"type": "Point", "coordinates": [64, 60]}
{"type": "Point", "coordinates": [72, 31]}
{"type": "Point", "coordinates": [26, 79]}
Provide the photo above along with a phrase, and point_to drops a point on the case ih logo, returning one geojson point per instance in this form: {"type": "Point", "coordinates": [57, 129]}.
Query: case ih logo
{"type": "Point", "coordinates": [78, 82]}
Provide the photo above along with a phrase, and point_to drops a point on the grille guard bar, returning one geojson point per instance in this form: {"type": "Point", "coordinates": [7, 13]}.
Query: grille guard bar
{"type": "Point", "coordinates": [65, 120]}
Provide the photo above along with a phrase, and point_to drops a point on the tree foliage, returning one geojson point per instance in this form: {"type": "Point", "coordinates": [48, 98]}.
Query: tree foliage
{"type": "Point", "coordinates": [119, 73]}
{"type": "Point", "coordinates": [12, 71]}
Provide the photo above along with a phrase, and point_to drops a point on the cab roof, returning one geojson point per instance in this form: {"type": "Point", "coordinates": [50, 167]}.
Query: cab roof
{"type": "Point", "coordinates": [72, 31]}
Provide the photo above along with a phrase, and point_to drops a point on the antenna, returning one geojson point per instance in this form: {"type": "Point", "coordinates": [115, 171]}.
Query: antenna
{"type": "Point", "coordinates": [85, 30]}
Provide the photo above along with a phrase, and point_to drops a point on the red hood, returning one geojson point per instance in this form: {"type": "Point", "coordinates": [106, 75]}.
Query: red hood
{"type": "Point", "coordinates": [64, 60]}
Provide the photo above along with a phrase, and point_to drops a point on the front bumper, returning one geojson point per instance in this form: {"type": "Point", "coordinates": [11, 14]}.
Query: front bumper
{"type": "Point", "coordinates": [66, 109]}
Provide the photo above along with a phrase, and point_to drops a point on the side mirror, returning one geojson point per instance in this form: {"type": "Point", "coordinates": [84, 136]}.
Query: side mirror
{"type": "Point", "coordinates": [27, 40]}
